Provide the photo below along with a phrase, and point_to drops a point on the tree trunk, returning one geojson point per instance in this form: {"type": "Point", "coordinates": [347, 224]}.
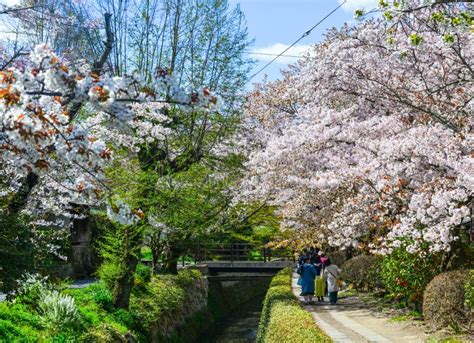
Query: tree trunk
{"type": "Point", "coordinates": [155, 257]}
{"type": "Point", "coordinates": [124, 284]}
{"type": "Point", "coordinates": [21, 197]}
{"type": "Point", "coordinates": [171, 266]}
{"type": "Point", "coordinates": [171, 261]}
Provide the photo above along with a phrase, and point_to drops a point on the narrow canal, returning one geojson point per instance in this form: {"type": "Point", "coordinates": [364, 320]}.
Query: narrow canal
{"type": "Point", "coordinates": [241, 326]}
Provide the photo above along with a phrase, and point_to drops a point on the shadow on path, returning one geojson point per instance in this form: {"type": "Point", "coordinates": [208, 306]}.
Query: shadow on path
{"type": "Point", "coordinates": [353, 320]}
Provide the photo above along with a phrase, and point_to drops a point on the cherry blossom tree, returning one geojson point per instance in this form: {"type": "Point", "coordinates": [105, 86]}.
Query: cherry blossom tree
{"type": "Point", "coordinates": [51, 114]}
{"type": "Point", "coordinates": [376, 147]}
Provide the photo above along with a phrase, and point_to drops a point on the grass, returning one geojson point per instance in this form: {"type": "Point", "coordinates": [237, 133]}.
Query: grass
{"type": "Point", "coordinates": [145, 254]}
{"type": "Point", "coordinates": [283, 319]}
{"type": "Point", "coordinates": [446, 340]}
{"type": "Point", "coordinates": [386, 304]}
{"type": "Point", "coordinates": [407, 316]}
{"type": "Point", "coordinates": [158, 308]}
{"type": "Point", "coordinates": [18, 323]}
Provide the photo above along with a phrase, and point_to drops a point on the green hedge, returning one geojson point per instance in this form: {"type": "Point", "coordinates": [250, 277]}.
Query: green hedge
{"type": "Point", "coordinates": [283, 319]}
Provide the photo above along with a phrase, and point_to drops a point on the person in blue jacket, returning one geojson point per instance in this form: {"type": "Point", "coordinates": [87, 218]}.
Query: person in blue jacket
{"type": "Point", "coordinates": [308, 274]}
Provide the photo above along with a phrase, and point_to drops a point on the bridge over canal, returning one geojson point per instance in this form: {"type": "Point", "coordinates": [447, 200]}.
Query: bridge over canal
{"type": "Point", "coordinates": [241, 270]}
{"type": "Point", "coordinates": [240, 261]}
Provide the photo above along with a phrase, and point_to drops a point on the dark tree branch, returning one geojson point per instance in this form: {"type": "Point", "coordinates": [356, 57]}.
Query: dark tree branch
{"type": "Point", "coordinates": [19, 199]}
{"type": "Point", "coordinates": [98, 66]}
{"type": "Point", "coordinates": [436, 2]}
{"type": "Point", "coordinates": [15, 55]}
{"type": "Point", "coordinates": [9, 10]}
{"type": "Point", "coordinates": [109, 43]}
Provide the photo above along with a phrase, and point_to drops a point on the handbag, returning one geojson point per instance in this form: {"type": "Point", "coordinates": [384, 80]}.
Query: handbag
{"type": "Point", "coordinates": [300, 281]}
{"type": "Point", "coordinates": [339, 281]}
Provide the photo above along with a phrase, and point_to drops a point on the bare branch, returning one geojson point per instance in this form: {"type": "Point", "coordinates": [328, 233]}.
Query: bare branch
{"type": "Point", "coordinates": [9, 10]}
{"type": "Point", "coordinates": [98, 65]}
{"type": "Point", "coordinates": [436, 2]}
{"type": "Point", "coordinates": [109, 43]}
{"type": "Point", "coordinates": [17, 54]}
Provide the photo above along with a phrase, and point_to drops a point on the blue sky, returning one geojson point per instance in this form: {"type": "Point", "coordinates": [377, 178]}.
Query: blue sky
{"type": "Point", "coordinates": [275, 24]}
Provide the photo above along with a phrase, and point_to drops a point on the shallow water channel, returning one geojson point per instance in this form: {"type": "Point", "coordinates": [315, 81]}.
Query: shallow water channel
{"type": "Point", "coordinates": [241, 326]}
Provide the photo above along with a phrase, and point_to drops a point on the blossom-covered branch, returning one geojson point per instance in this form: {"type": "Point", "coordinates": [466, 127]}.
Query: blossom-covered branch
{"type": "Point", "coordinates": [378, 148]}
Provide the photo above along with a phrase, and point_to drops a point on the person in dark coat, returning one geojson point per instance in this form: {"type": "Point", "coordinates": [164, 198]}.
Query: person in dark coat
{"type": "Point", "coordinates": [315, 256]}
{"type": "Point", "coordinates": [311, 252]}
{"type": "Point", "coordinates": [303, 256]}
{"type": "Point", "coordinates": [308, 274]}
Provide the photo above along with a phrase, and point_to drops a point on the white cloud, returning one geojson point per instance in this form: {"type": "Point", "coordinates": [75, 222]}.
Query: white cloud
{"type": "Point", "coordinates": [275, 49]}
{"type": "Point", "coordinates": [352, 5]}
{"type": "Point", "coordinates": [9, 2]}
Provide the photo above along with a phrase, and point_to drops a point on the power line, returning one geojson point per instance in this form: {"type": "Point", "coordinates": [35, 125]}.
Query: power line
{"type": "Point", "coordinates": [307, 33]}
{"type": "Point", "coordinates": [268, 54]}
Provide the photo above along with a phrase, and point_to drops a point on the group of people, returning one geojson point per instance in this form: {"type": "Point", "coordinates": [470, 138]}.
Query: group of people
{"type": "Point", "coordinates": [318, 276]}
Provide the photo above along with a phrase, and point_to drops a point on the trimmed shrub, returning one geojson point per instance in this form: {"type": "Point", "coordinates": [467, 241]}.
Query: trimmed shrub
{"type": "Point", "coordinates": [355, 271]}
{"type": "Point", "coordinates": [444, 300]}
{"type": "Point", "coordinates": [469, 290]}
{"type": "Point", "coordinates": [338, 257]}
{"type": "Point", "coordinates": [283, 319]}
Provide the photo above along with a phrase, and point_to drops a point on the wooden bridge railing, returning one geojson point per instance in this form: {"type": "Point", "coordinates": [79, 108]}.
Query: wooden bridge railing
{"type": "Point", "coordinates": [237, 251]}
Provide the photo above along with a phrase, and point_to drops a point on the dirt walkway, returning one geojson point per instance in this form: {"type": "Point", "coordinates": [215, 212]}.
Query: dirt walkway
{"type": "Point", "coordinates": [352, 320]}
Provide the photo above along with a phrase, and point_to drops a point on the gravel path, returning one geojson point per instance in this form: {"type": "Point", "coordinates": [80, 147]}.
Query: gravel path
{"type": "Point", "coordinates": [352, 320]}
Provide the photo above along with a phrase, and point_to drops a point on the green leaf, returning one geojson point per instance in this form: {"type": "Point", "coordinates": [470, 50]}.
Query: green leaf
{"type": "Point", "coordinates": [359, 14]}
{"type": "Point", "coordinates": [456, 21]}
{"type": "Point", "coordinates": [388, 15]}
{"type": "Point", "coordinates": [448, 38]}
{"type": "Point", "coordinates": [437, 17]}
{"type": "Point", "coordinates": [415, 39]}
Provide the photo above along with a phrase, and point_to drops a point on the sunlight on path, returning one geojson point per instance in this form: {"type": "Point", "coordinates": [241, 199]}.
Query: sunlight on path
{"type": "Point", "coordinates": [354, 321]}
